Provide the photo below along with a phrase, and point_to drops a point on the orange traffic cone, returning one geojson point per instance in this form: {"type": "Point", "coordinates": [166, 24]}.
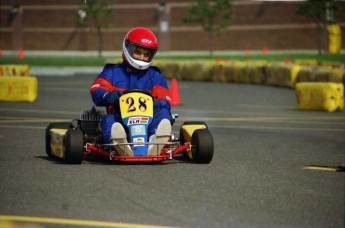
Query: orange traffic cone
{"type": "Point", "coordinates": [264, 50]}
{"type": "Point", "coordinates": [20, 54]}
{"type": "Point", "coordinates": [247, 51]}
{"type": "Point", "coordinates": [175, 99]}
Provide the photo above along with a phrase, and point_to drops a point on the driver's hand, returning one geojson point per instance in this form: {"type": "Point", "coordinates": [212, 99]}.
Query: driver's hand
{"type": "Point", "coordinates": [112, 97]}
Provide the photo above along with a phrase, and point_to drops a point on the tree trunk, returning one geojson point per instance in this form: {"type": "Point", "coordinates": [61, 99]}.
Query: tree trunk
{"type": "Point", "coordinates": [210, 44]}
{"type": "Point", "coordinates": [318, 27]}
{"type": "Point", "coordinates": [99, 41]}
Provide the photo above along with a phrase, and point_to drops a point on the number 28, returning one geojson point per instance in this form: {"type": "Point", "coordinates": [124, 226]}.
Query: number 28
{"type": "Point", "coordinates": [133, 106]}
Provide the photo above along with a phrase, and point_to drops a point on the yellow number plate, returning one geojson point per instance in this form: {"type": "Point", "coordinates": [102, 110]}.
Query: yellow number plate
{"type": "Point", "coordinates": [136, 104]}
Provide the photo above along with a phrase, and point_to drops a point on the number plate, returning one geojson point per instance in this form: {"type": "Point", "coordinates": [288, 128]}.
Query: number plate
{"type": "Point", "coordinates": [136, 104]}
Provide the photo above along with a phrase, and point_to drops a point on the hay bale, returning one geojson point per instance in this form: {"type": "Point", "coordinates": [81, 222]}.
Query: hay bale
{"type": "Point", "coordinates": [192, 71]}
{"type": "Point", "coordinates": [240, 71]}
{"type": "Point", "coordinates": [229, 73]}
{"type": "Point", "coordinates": [279, 75]}
{"type": "Point", "coordinates": [305, 74]}
{"type": "Point", "coordinates": [170, 69]}
{"type": "Point", "coordinates": [257, 72]}
{"type": "Point", "coordinates": [216, 72]}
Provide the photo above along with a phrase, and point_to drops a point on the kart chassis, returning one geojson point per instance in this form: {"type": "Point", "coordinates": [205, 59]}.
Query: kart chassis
{"type": "Point", "coordinates": [72, 141]}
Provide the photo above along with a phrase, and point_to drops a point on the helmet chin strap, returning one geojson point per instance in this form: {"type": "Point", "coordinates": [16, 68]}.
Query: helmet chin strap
{"type": "Point", "coordinates": [130, 68]}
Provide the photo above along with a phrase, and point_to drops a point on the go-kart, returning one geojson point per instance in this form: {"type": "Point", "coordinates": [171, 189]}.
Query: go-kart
{"type": "Point", "coordinates": [72, 141]}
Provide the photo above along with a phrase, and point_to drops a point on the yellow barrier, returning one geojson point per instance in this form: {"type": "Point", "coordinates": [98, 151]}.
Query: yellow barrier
{"type": "Point", "coordinates": [334, 38]}
{"type": "Point", "coordinates": [240, 72]}
{"type": "Point", "coordinates": [18, 88]}
{"type": "Point", "coordinates": [257, 71]}
{"type": "Point", "coordinates": [279, 74]}
{"type": "Point", "coordinates": [306, 62]}
{"type": "Point", "coordinates": [216, 72]}
{"type": "Point", "coordinates": [329, 75]}
{"type": "Point", "coordinates": [325, 96]}
{"type": "Point", "coordinates": [253, 72]}
{"type": "Point", "coordinates": [295, 69]}
{"type": "Point", "coordinates": [14, 70]}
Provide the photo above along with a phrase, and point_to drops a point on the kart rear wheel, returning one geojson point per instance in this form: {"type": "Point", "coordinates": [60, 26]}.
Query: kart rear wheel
{"type": "Point", "coordinates": [74, 146]}
{"type": "Point", "coordinates": [62, 125]}
{"type": "Point", "coordinates": [202, 146]}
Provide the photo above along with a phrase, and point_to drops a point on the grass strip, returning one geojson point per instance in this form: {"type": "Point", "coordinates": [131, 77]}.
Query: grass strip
{"type": "Point", "coordinates": [100, 61]}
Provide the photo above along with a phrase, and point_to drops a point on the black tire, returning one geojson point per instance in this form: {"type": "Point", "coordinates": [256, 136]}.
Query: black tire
{"type": "Point", "coordinates": [62, 125]}
{"type": "Point", "coordinates": [202, 146]}
{"type": "Point", "coordinates": [74, 146]}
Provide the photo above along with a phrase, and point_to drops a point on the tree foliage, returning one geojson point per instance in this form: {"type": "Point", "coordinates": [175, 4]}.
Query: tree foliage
{"type": "Point", "coordinates": [213, 15]}
{"type": "Point", "coordinates": [316, 10]}
{"type": "Point", "coordinates": [98, 15]}
{"type": "Point", "coordinates": [319, 11]}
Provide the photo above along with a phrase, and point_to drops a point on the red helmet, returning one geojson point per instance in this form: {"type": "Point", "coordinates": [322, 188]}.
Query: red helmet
{"type": "Point", "coordinates": [139, 37]}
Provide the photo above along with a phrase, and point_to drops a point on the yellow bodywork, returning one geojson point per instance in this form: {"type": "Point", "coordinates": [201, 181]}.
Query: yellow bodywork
{"type": "Point", "coordinates": [57, 141]}
{"type": "Point", "coordinates": [136, 104]}
{"type": "Point", "coordinates": [187, 133]}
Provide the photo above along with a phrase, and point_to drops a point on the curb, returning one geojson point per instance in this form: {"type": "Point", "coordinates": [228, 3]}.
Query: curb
{"type": "Point", "coordinates": [64, 71]}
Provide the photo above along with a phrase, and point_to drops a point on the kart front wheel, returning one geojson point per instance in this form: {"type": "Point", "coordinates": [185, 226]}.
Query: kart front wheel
{"type": "Point", "coordinates": [74, 142]}
{"type": "Point", "coordinates": [202, 146]}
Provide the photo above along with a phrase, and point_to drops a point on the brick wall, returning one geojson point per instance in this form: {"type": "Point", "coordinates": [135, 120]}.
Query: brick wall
{"type": "Point", "coordinates": [52, 26]}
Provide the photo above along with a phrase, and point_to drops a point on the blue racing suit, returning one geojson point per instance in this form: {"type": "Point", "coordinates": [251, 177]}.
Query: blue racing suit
{"type": "Point", "coordinates": [121, 77]}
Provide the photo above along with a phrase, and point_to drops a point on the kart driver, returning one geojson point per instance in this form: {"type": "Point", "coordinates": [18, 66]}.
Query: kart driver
{"type": "Point", "coordinates": [135, 72]}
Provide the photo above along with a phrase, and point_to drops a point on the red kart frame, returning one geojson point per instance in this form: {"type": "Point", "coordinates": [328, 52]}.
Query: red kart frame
{"type": "Point", "coordinates": [91, 149]}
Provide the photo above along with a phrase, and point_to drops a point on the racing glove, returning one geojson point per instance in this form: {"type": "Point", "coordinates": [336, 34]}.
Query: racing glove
{"type": "Point", "coordinates": [161, 104]}
{"type": "Point", "coordinates": [112, 97]}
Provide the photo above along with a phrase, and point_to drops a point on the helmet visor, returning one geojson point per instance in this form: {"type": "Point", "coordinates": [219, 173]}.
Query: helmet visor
{"type": "Point", "coordinates": [140, 53]}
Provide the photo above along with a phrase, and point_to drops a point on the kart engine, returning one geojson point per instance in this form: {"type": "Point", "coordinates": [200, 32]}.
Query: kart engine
{"type": "Point", "coordinates": [90, 124]}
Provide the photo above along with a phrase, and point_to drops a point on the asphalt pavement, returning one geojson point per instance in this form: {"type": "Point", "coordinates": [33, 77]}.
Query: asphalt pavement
{"type": "Point", "coordinates": [273, 166]}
